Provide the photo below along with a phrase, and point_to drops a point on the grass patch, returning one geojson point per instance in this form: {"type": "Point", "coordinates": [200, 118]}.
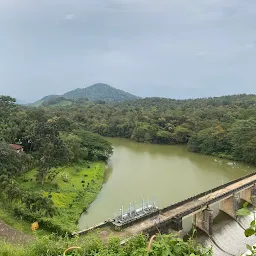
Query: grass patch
{"type": "Point", "coordinates": [72, 188]}
{"type": "Point", "coordinates": [6, 214]}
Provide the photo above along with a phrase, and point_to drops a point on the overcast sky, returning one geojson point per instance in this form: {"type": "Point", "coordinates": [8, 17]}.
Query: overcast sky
{"type": "Point", "coordinates": [168, 48]}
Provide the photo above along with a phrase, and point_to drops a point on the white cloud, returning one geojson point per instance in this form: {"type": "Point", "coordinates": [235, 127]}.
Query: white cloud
{"type": "Point", "coordinates": [70, 16]}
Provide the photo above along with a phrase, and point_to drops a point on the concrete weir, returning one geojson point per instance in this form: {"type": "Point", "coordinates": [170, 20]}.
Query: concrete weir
{"type": "Point", "coordinates": [228, 196]}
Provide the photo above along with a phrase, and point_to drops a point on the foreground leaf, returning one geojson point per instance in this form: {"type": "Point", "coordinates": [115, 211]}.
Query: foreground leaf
{"type": "Point", "coordinates": [243, 212]}
{"type": "Point", "coordinates": [249, 232]}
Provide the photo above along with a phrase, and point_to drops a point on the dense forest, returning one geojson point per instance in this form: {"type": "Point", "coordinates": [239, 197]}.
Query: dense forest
{"type": "Point", "coordinates": [221, 126]}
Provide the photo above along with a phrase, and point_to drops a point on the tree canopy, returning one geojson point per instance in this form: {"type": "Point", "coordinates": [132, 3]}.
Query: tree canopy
{"type": "Point", "coordinates": [208, 126]}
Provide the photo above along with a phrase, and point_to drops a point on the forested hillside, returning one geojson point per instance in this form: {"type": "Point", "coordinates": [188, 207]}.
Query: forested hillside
{"type": "Point", "coordinates": [222, 126]}
{"type": "Point", "coordinates": [95, 92]}
{"type": "Point", "coordinates": [100, 91]}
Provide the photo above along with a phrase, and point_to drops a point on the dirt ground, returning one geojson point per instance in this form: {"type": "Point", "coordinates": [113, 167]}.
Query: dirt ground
{"type": "Point", "coordinates": [9, 234]}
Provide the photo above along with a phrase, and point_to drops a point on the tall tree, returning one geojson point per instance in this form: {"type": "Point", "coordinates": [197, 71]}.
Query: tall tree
{"type": "Point", "coordinates": [74, 147]}
{"type": "Point", "coordinates": [49, 149]}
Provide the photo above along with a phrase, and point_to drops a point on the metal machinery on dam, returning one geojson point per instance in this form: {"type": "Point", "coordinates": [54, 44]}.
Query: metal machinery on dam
{"type": "Point", "coordinates": [135, 212]}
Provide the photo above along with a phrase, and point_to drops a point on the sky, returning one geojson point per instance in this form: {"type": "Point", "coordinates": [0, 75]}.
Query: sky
{"type": "Point", "coordinates": [165, 48]}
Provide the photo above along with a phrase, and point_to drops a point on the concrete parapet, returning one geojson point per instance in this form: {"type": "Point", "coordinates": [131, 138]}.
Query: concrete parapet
{"type": "Point", "coordinates": [100, 225]}
{"type": "Point", "coordinates": [173, 224]}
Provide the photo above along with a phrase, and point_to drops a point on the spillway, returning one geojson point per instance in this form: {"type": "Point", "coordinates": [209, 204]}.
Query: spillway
{"type": "Point", "coordinates": [228, 235]}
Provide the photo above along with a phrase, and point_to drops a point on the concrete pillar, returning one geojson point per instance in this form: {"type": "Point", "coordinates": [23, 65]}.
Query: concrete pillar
{"type": "Point", "coordinates": [176, 223]}
{"type": "Point", "coordinates": [253, 195]}
{"type": "Point", "coordinates": [204, 220]}
{"type": "Point", "coordinates": [246, 194]}
{"type": "Point", "coordinates": [249, 194]}
{"type": "Point", "coordinates": [230, 205]}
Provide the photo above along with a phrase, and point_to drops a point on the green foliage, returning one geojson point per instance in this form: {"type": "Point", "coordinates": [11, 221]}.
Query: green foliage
{"type": "Point", "coordinates": [7, 115]}
{"type": "Point", "coordinates": [73, 143]}
{"type": "Point", "coordinates": [243, 139]}
{"type": "Point", "coordinates": [49, 141]}
{"type": "Point", "coordinates": [221, 126]}
{"type": "Point", "coordinates": [49, 148]}
{"type": "Point", "coordinates": [69, 199]}
{"type": "Point", "coordinates": [100, 93]}
{"type": "Point", "coordinates": [97, 147]}
{"type": "Point", "coordinates": [172, 245]}
{"type": "Point", "coordinates": [57, 101]}
{"type": "Point", "coordinates": [210, 141]}
{"type": "Point", "coordinates": [251, 230]}
{"type": "Point", "coordinates": [209, 126]}
{"type": "Point", "coordinates": [13, 163]}
{"type": "Point", "coordinates": [91, 246]}
{"type": "Point", "coordinates": [244, 211]}
{"type": "Point", "coordinates": [182, 134]}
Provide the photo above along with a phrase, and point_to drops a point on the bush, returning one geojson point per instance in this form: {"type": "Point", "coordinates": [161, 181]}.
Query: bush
{"type": "Point", "coordinates": [93, 246]}
{"type": "Point", "coordinates": [44, 222]}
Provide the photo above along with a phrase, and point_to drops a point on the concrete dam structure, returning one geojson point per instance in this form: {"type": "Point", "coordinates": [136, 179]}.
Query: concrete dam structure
{"type": "Point", "coordinates": [229, 198]}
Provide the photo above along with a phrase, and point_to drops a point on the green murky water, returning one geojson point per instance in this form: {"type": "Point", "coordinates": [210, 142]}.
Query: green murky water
{"type": "Point", "coordinates": [170, 173]}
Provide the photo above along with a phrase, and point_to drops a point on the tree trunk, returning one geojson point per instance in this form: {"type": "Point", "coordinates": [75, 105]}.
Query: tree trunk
{"type": "Point", "coordinates": [43, 177]}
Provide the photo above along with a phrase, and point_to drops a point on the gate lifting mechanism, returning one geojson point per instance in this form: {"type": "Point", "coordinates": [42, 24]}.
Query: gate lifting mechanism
{"type": "Point", "coordinates": [135, 212]}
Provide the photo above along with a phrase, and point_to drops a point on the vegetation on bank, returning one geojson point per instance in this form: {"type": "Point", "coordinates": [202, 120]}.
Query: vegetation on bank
{"type": "Point", "coordinates": [52, 246]}
{"type": "Point", "coordinates": [57, 176]}
{"type": "Point", "coordinates": [72, 189]}
{"type": "Point", "coordinates": [17, 222]}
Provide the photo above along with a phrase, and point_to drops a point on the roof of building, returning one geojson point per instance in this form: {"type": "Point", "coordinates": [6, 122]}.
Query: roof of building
{"type": "Point", "coordinates": [16, 146]}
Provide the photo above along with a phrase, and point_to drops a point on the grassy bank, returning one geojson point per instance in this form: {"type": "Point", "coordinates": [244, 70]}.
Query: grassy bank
{"type": "Point", "coordinates": [7, 215]}
{"type": "Point", "coordinates": [72, 188]}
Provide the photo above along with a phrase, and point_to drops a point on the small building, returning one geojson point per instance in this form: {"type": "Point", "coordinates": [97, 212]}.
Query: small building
{"type": "Point", "coordinates": [17, 147]}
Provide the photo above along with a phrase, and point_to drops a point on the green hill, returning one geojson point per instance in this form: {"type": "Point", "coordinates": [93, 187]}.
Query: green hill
{"type": "Point", "coordinates": [96, 92]}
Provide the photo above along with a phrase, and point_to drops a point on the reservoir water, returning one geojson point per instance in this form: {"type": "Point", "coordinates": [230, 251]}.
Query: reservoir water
{"type": "Point", "coordinates": [168, 173]}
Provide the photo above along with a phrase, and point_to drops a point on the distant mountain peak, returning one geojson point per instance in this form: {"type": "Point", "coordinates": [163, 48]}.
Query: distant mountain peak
{"type": "Point", "coordinates": [95, 92]}
{"type": "Point", "coordinates": [100, 91]}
